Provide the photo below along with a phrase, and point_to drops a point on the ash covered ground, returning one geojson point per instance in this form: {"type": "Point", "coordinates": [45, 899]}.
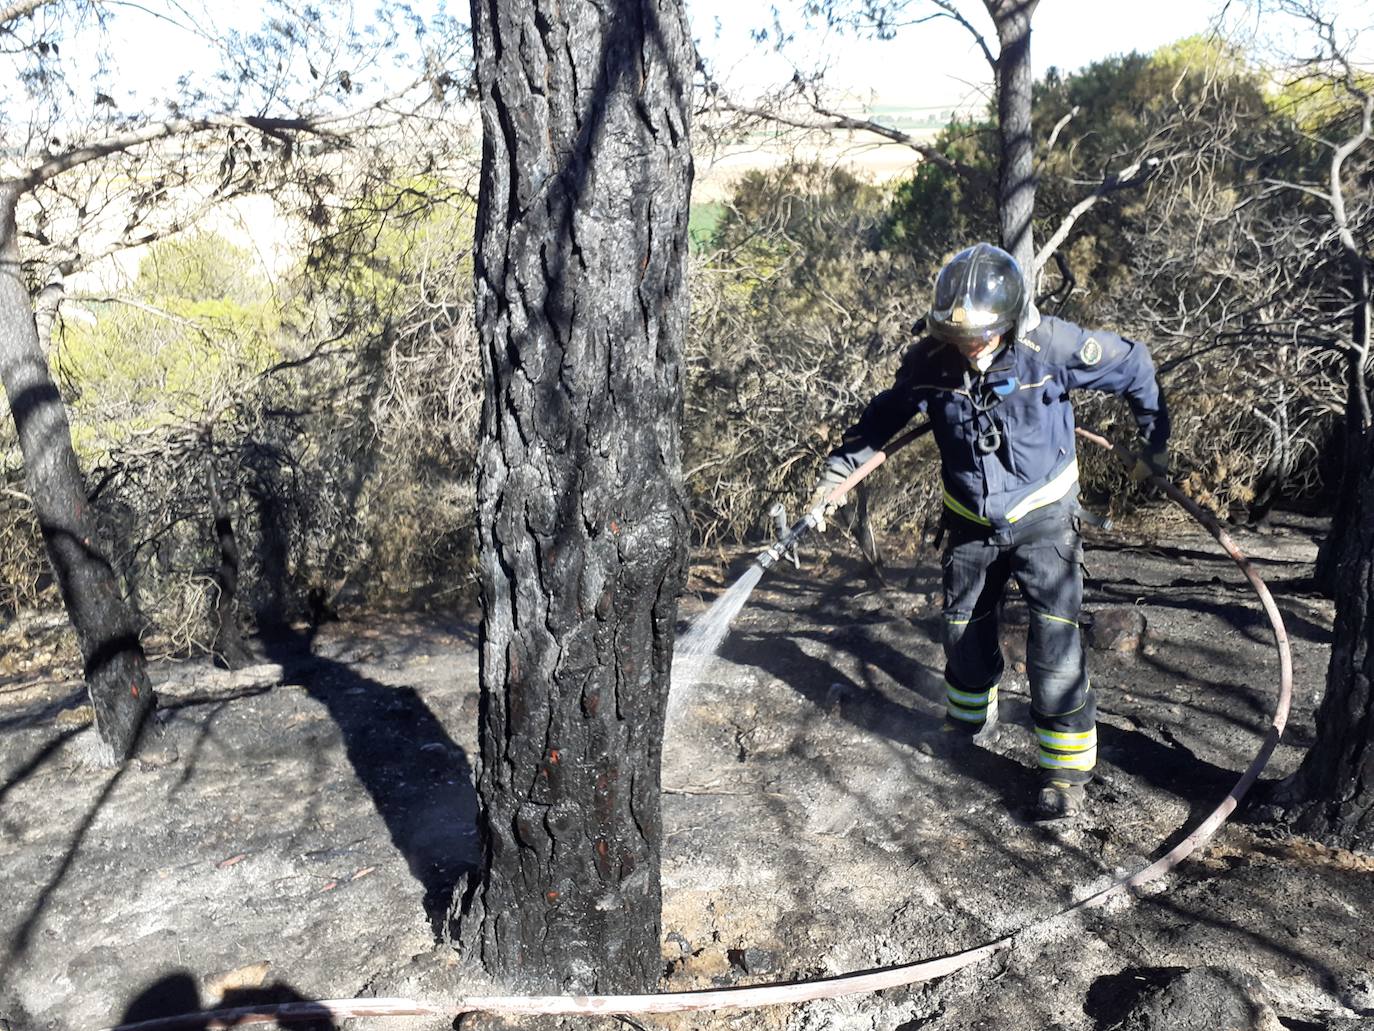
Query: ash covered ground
{"type": "Point", "coordinates": [296, 830]}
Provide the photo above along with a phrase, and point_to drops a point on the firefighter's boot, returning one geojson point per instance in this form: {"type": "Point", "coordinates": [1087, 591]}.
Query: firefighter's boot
{"type": "Point", "coordinates": [1059, 798]}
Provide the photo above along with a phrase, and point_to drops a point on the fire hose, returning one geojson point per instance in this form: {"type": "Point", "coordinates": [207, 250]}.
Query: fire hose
{"type": "Point", "coordinates": [787, 993]}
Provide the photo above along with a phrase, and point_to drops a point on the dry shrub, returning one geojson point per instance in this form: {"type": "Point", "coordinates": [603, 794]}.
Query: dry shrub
{"type": "Point", "coordinates": [799, 317]}
{"type": "Point", "coordinates": [23, 564]}
{"type": "Point", "coordinates": [346, 465]}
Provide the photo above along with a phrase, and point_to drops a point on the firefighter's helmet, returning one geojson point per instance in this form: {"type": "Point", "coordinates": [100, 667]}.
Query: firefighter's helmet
{"type": "Point", "coordinates": [979, 294]}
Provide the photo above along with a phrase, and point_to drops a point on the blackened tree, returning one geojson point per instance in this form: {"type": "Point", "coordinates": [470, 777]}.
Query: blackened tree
{"type": "Point", "coordinates": [1016, 144]}
{"type": "Point", "coordinates": [581, 308]}
{"type": "Point", "coordinates": [105, 628]}
{"type": "Point", "coordinates": [56, 163]}
{"type": "Point", "coordinates": [1331, 794]}
{"type": "Point", "coordinates": [1353, 243]}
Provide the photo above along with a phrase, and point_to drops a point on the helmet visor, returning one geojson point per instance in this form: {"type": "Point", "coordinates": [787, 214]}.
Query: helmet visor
{"type": "Point", "coordinates": [978, 295]}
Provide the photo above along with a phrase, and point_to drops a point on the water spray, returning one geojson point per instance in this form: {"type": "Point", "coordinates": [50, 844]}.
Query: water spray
{"type": "Point", "coordinates": [701, 642]}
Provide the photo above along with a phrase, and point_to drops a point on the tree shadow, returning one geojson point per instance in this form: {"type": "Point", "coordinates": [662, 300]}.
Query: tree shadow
{"type": "Point", "coordinates": [863, 705]}
{"type": "Point", "coordinates": [1260, 944]}
{"type": "Point", "coordinates": [1169, 766]}
{"type": "Point", "coordinates": [1112, 996]}
{"type": "Point", "coordinates": [204, 737]}
{"type": "Point", "coordinates": [1178, 553]}
{"type": "Point", "coordinates": [42, 712]}
{"type": "Point", "coordinates": [44, 752]}
{"type": "Point", "coordinates": [419, 780]}
{"type": "Point", "coordinates": [1238, 705]}
{"type": "Point", "coordinates": [177, 995]}
{"type": "Point", "coordinates": [864, 701]}
{"type": "Point", "coordinates": [20, 940]}
{"type": "Point", "coordinates": [1172, 768]}
{"type": "Point", "coordinates": [1243, 614]}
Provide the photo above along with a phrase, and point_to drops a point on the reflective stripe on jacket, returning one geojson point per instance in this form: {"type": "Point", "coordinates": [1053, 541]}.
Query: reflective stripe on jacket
{"type": "Point", "coordinates": [1006, 434]}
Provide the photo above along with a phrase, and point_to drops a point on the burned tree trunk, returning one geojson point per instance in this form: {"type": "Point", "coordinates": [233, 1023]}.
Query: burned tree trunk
{"type": "Point", "coordinates": [581, 310]}
{"type": "Point", "coordinates": [228, 647]}
{"type": "Point", "coordinates": [1331, 795]}
{"type": "Point", "coordinates": [1359, 422]}
{"type": "Point", "coordinates": [105, 628]}
{"type": "Point", "coordinates": [1357, 429]}
{"type": "Point", "coordinates": [1015, 82]}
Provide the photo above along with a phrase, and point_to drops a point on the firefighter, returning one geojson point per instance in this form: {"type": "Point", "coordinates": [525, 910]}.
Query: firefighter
{"type": "Point", "coordinates": [995, 378]}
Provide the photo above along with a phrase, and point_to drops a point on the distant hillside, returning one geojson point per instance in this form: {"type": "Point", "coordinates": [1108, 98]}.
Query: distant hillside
{"type": "Point", "coordinates": [871, 156]}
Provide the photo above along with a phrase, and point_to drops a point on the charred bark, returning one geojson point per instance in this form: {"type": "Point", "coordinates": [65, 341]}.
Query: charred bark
{"type": "Point", "coordinates": [581, 310]}
{"type": "Point", "coordinates": [1331, 795]}
{"type": "Point", "coordinates": [106, 631]}
{"type": "Point", "coordinates": [1356, 426]}
{"type": "Point", "coordinates": [228, 647]}
{"type": "Point", "coordinates": [1015, 82]}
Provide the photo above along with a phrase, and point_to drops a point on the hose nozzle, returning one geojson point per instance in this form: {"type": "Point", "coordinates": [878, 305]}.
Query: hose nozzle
{"type": "Point", "coordinates": [816, 516]}
{"type": "Point", "coordinates": [771, 556]}
{"type": "Point", "coordinates": [779, 514]}
{"type": "Point", "coordinates": [787, 544]}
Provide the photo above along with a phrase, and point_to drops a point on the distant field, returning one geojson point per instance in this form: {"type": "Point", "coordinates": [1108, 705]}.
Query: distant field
{"type": "Point", "coordinates": [702, 223]}
{"type": "Point", "coordinates": [867, 155]}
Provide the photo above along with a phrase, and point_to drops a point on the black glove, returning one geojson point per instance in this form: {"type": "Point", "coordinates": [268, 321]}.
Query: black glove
{"type": "Point", "coordinates": [1151, 463]}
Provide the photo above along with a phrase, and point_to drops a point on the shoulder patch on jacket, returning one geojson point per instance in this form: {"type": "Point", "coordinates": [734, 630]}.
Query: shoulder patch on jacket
{"type": "Point", "coordinates": [1066, 345]}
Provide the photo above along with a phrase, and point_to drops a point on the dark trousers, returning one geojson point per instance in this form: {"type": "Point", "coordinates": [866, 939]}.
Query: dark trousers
{"type": "Point", "coordinates": [1044, 552]}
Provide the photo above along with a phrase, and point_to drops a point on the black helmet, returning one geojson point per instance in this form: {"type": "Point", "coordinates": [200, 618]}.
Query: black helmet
{"type": "Point", "coordinates": [978, 295]}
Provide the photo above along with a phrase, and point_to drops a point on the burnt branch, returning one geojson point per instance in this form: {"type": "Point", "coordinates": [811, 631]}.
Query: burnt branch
{"type": "Point", "coordinates": [21, 9]}
{"type": "Point", "coordinates": [121, 142]}
{"type": "Point", "coordinates": [1130, 177]}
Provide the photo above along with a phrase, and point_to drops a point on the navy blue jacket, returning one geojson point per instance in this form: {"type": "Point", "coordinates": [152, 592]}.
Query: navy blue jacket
{"type": "Point", "coordinates": [1018, 410]}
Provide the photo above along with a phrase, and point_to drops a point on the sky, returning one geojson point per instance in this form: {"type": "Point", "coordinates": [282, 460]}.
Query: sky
{"type": "Point", "coordinates": [939, 63]}
{"type": "Point", "coordinates": [935, 64]}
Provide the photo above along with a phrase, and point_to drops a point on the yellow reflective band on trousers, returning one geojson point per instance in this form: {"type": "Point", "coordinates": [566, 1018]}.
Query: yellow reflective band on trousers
{"type": "Point", "coordinates": [1067, 750]}
{"type": "Point", "coordinates": [969, 706]}
{"type": "Point", "coordinates": [1054, 619]}
{"type": "Point", "coordinates": [966, 622]}
{"type": "Point", "coordinates": [1077, 761]}
{"type": "Point", "coordinates": [1067, 741]}
{"type": "Point", "coordinates": [967, 715]}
